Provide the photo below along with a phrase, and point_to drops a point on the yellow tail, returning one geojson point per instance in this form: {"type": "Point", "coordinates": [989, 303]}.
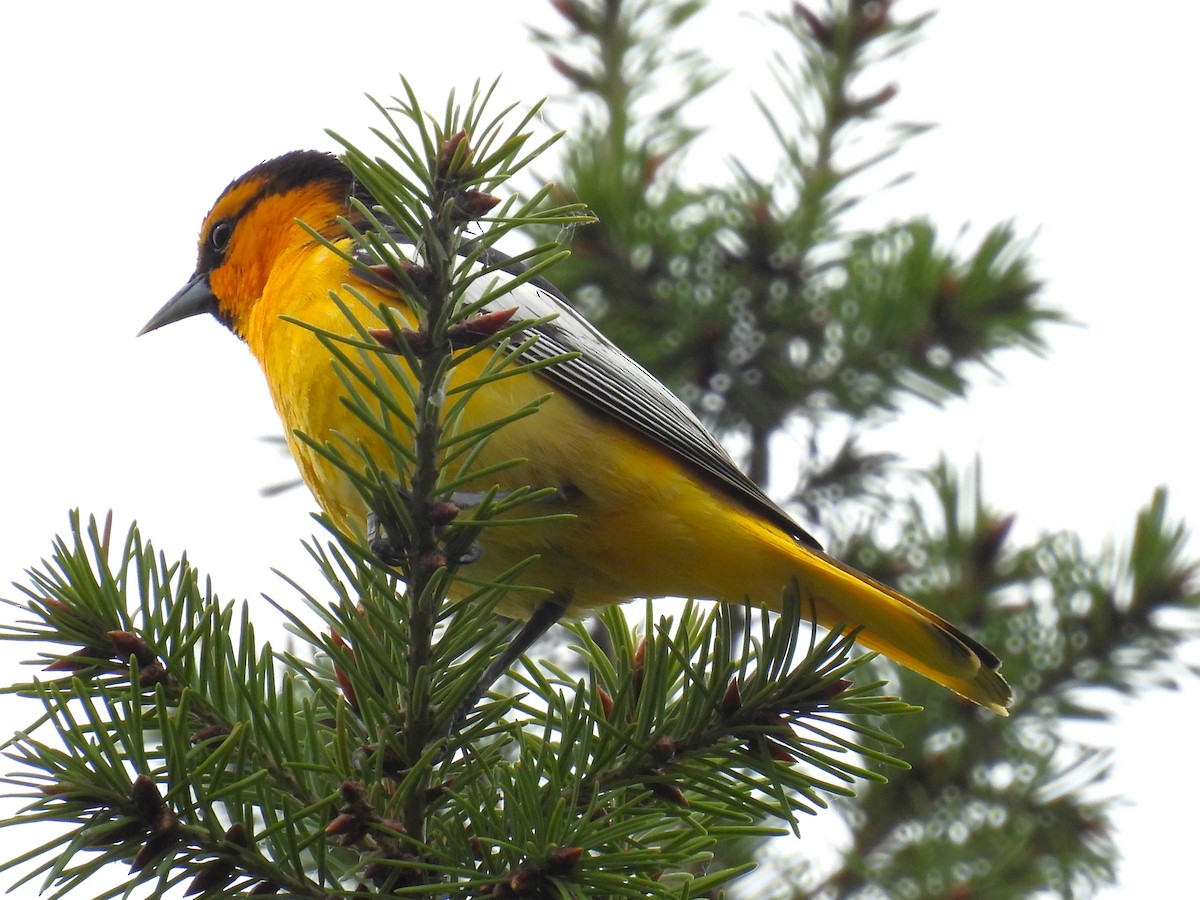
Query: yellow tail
{"type": "Point", "coordinates": [898, 628]}
{"type": "Point", "coordinates": [743, 555]}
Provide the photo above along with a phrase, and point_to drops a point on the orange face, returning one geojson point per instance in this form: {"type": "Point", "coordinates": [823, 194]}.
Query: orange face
{"type": "Point", "coordinates": [251, 226]}
{"type": "Point", "coordinates": [254, 222]}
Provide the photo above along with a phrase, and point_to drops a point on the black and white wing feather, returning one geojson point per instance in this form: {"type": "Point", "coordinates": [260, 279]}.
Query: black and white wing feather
{"type": "Point", "coordinates": [610, 383]}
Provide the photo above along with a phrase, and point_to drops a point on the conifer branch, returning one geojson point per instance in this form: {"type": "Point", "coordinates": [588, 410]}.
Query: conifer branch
{"type": "Point", "coordinates": [201, 756]}
{"type": "Point", "coordinates": [167, 737]}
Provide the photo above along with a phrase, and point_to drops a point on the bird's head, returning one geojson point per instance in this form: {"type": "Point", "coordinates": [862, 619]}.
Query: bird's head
{"type": "Point", "coordinates": [251, 224]}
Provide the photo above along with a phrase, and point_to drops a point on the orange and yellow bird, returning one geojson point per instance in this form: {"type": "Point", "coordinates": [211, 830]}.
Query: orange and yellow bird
{"type": "Point", "coordinates": [658, 508]}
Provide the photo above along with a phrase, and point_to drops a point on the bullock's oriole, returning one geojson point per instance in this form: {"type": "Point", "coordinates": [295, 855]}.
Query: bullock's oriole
{"type": "Point", "coordinates": [659, 508]}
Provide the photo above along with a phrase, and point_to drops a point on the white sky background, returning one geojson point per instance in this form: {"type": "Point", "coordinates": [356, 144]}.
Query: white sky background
{"type": "Point", "coordinates": [123, 123]}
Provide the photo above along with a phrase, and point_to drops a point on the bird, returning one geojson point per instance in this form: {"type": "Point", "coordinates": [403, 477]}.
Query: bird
{"type": "Point", "coordinates": [651, 503]}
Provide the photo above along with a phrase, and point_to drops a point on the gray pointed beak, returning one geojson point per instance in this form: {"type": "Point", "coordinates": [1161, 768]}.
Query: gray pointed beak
{"type": "Point", "coordinates": [194, 298]}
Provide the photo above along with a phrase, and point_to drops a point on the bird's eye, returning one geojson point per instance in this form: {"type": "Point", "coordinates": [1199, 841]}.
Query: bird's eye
{"type": "Point", "coordinates": [219, 236]}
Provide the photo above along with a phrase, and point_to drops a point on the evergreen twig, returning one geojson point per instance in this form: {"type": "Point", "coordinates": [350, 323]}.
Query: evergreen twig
{"type": "Point", "coordinates": [171, 739]}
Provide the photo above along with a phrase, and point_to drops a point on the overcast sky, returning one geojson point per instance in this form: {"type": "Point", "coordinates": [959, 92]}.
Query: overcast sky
{"type": "Point", "coordinates": [122, 123]}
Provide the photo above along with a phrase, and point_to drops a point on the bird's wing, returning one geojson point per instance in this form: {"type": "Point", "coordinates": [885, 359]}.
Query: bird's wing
{"type": "Point", "coordinates": [607, 381]}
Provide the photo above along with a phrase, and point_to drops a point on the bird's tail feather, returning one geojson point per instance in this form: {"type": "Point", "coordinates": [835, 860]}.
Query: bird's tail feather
{"type": "Point", "coordinates": [900, 629]}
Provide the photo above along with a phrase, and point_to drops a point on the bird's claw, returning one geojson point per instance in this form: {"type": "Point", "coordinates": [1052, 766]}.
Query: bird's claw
{"type": "Point", "coordinates": [390, 553]}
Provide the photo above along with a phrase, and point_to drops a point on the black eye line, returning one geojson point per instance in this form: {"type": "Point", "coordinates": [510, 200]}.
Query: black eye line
{"type": "Point", "coordinates": [217, 252]}
{"type": "Point", "coordinates": [220, 234]}
{"type": "Point", "coordinates": [212, 255]}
